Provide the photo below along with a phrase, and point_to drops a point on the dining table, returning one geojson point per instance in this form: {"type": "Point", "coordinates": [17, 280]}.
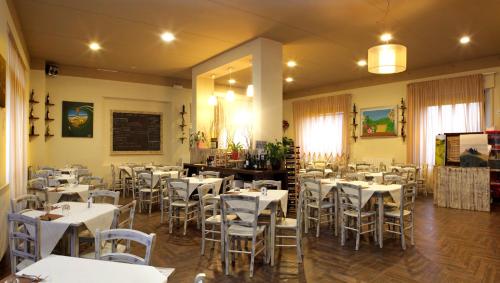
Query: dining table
{"type": "Point", "coordinates": [272, 200]}
{"type": "Point", "coordinates": [54, 194]}
{"type": "Point", "coordinates": [71, 217]}
{"type": "Point", "coordinates": [64, 269]}
{"type": "Point", "coordinates": [369, 189]}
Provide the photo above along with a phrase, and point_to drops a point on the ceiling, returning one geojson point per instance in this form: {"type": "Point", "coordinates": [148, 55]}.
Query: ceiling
{"type": "Point", "coordinates": [325, 37]}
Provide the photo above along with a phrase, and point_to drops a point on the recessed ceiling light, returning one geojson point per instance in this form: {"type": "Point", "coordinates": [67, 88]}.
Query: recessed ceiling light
{"type": "Point", "coordinates": [291, 63]}
{"type": "Point", "coordinates": [231, 81]}
{"type": "Point", "coordinates": [464, 39]}
{"type": "Point", "coordinates": [167, 36]}
{"type": "Point", "coordinates": [289, 79]}
{"type": "Point", "coordinates": [386, 37]}
{"type": "Point", "coordinates": [94, 46]}
{"type": "Point", "coordinates": [361, 63]}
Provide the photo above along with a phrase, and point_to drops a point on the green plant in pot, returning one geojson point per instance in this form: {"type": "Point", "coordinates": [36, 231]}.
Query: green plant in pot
{"type": "Point", "coordinates": [276, 154]}
{"type": "Point", "coordinates": [234, 148]}
{"type": "Point", "coordinates": [195, 139]}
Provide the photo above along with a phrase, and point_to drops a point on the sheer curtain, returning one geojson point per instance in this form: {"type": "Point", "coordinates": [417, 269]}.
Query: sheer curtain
{"type": "Point", "coordinates": [321, 125]}
{"type": "Point", "coordinates": [17, 124]}
{"type": "Point", "coordinates": [233, 121]}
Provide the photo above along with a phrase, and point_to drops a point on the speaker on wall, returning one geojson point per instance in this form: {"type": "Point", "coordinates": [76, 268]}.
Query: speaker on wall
{"type": "Point", "coordinates": [51, 69]}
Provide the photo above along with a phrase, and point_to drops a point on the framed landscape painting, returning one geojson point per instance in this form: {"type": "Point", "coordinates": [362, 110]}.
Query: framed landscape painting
{"type": "Point", "coordinates": [77, 119]}
{"type": "Point", "coordinates": [379, 122]}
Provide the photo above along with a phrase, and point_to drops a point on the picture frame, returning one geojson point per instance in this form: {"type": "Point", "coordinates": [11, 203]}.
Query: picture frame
{"type": "Point", "coordinates": [379, 122]}
{"type": "Point", "coordinates": [77, 119]}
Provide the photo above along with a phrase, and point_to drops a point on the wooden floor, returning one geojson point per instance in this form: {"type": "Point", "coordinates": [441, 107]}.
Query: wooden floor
{"type": "Point", "coordinates": [451, 246]}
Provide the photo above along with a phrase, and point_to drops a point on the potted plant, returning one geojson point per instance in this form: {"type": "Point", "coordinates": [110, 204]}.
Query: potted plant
{"type": "Point", "coordinates": [234, 148]}
{"type": "Point", "coordinates": [276, 154]}
{"type": "Point", "coordinates": [196, 139]}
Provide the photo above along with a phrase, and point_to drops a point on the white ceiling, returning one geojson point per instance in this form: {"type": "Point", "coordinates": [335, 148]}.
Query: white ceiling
{"type": "Point", "coordinates": [325, 37]}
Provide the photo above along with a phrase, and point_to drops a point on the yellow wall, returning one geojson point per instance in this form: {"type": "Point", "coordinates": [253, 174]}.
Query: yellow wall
{"type": "Point", "coordinates": [385, 149]}
{"type": "Point", "coordinates": [106, 96]}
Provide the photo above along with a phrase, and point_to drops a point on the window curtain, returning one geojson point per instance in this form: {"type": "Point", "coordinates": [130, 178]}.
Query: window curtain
{"type": "Point", "coordinates": [322, 126]}
{"type": "Point", "coordinates": [233, 121]}
{"type": "Point", "coordinates": [17, 124]}
{"type": "Point", "coordinates": [455, 104]}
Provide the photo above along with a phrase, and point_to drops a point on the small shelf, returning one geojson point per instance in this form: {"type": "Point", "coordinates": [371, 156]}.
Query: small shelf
{"type": "Point", "coordinates": [183, 112]}
{"type": "Point", "coordinates": [33, 135]}
{"type": "Point", "coordinates": [183, 125]}
{"type": "Point", "coordinates": [34, 101]}
{"type": "Point", "coordinates": [49, 104]}
{"type": "Point", "coordinates": [49, 119]}
{"type": "Point", "coordinates": [34, 118]}
{"type": "Point", "coordinates": [49, 135]}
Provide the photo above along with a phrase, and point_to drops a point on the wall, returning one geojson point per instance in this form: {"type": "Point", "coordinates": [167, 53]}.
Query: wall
{"type": "Point", "coordinates": [106, 95]}
{"type": "Point", "coordinates": [389, 94]}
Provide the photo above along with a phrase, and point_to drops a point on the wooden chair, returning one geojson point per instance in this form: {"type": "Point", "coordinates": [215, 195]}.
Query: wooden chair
{"type": "Point", "coordinates": [24, 241]}
{"type": "Point", "coordinates": [421, 179]}
{"type": "Point", "coordinates": [257, 184]}
{"type": "Point", "coordinates": [401, 219]}
{"type": "Point", "coordinates": [164, 200]}
{"type": "Point", "coordinates": [318, 172]}
{"type": "Point", "coordinates": [313, 201]}
{"type": "Point", "coordinates": [352, 211]}
{"type": "Point", "coordinates": [245, 227]}
{"type": "Point", "coordinates": [392, 178]}
{"type": "Point", "coordinates": [227, 184]}
{"type": "Point", "coordinates": [105, 196]}
{"type": "Point", "coordinates": [209, 174]}
{"type": "Point", "coordinates": [116, 181]}
{"type": "Point", "coordinates": [134, 180]}
{"type": "Point", "coordinates": [115, 235]}
{"type": "Point", "coordinates": [149, 193]}
{"type": "Point", "coordinates": [82, 172]}
{"type": "Point", "coordinates": [294, 225]}
{"type": "Point", "coordinates": [211, 220]}
{"type": "Point", "coordinates": [94, 182]}
{"type": "Point", "coordinates": [25, 202]}
{"type": "Point", "coordinates": [178, 194]}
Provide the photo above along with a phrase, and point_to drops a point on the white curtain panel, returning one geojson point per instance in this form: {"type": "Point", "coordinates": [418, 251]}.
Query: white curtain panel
{"type": "Point", "coordinates": [17, 124]}
{"type": "Point", "coordinates": [322, 135]}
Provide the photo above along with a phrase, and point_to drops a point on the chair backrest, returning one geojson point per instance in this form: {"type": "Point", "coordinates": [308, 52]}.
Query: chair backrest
{"type": "Point", "coordinates": [178, 189]}
{"type": "Point", "coordinates": [319, 172]}
{"type": "Point", "coordinates": [126, 215]}
{"type": "Point", "coordinates": [24, 239]}
{"type": "Point", "coordinates": [170, 168]}
{"type": "Point", "coordinates": [382, 167]}
{"type": "Point", "coordinates": [311, 175]}
{"type": "Point", "coordinates": [208, 204]}
{"type": "Point", "coordinates": [144, 178]}
{"type": "Point", "coordinates": [210, 174]}
{"type": "Point", "coordinates": [363, 167]}
{"type": "Point", "coordinates": [38, 186]}
{"type": "Point", "coordinates": [47, 168]}
{"type": "Point", "coordinates": [392, 178]}
{"type": "Point", "coordinates": [114, 235]}
{"type": "Point", "coordinates": [351, 176]}
{"type": "Point", "coordinates": [257, 184]}
{"type": "Point", "coordinates": [94, 181]}
{"type": "Point", "coordinates": [312, 190]}
{"type": "Point", "coordinates": [245, 207]}
{"type": "Point", "coordinates": [183, 173]}
{"type": "Point", "coordinates": [227, 184]}
{"type": "Point", "coordinates": [43, 174]}
{"type": "Point", "coordinates": [77, 166]}
{"type": "Point", "coordinates": [350, 197]}
{"type": "Point", "coordinates": [200, 278]}
{"type": "Point", "coordinates": [105, 196]}
{"type": "Point", "coordinates": [25, 202]}
{"type": "Point", "coordinates": [407, 201]}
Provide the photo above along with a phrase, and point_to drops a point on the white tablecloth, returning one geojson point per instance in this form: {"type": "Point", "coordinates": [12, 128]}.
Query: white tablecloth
{"type": "Point", "coordinates": [368, 190]}
{"type": "Point", "coordinates": [68, 171]}
{"type": "Point", "coordinates": [60, 179]}
{"type": "Point", "coordinates": [81, 190]}
{"type": "Point", "coordinates": [63, 269]}
{"type": "Point", "coordinates": [195, 182]}
{"type": "Point", "coordinates": [98, 216]}
{"type": "Point", "coordinates": [280, 196]}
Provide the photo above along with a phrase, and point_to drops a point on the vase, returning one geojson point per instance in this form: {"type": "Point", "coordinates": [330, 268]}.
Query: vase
{"type": "Point", "coordinates": [234, 155]}
{"type": "Point", "coordinates": [276, 164]}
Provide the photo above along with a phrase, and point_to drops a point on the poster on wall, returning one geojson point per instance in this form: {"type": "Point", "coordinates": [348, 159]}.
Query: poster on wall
{"type": "Point", "coordinates": [379, 122]}
{"type": "Point", "coordinates": [474, 150]}
{"type": "Point", "coordinates": [136, 132]}
{"type": "Point", "coordinates": [3, 80]}
{"type": "Point", "coordinates": [77, 119]}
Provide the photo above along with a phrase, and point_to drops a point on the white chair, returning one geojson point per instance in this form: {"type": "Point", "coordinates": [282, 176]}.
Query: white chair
{"type": "Point", "coordinates": [401, 219]}
{"type": "Point", "coordinates": [24, 241]}
{"type": "Point", "coordinates": [116, 181]}
{"type": "Point", "coordinates": [38, 186]}
{"type": "Point", "coordinates": [352, 211]}
{"type": "Point", "coordinates": [94, 182]}
{"type": "Point", "coordinates": [257, 184]}
{"type": "Point", "coordinates": [115, 235]}
{"type": "Point", "coordinates": [105, 196]}
{"type": "Point", "coordinates": [209, 174]}
{"type": "Point", "coordinates": [421, 179]}
{"type": "Point", "coordinates": [183, 173]}
{"type": "Point", "coordinates": [227, 184]}
{"type": "Point", "coordinates": [392, 178]}
{"type": "Point", "coordinates": [314, 202]}
{"type": "Point", "coordinates": [292, 224]}
{"type": "Point", "coordinates": [317, 172]}
{"type": "Point", "coordinates": [149, 193]}
{"type": "Point", "coordinates": [164, 200]}
{"type": "Point", "coordinates": [243, 228]}
{"type": "Point", "coordinates": [82, 172]}
{"type": "Point", "coordinates": [178, 194]}
{"type": "Point", "coordinates": [25, 202]}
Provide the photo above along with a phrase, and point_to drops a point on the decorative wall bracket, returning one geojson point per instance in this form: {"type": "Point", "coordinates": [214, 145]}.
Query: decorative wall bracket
{"type": "Point", "coordinates": [403, 120]}
{"type": "Point", "coordinates": [354, 124]}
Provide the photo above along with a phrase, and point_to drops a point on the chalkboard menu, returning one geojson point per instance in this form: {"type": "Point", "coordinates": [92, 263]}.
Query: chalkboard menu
{"type": "Point", "coordinates": [136, 133]}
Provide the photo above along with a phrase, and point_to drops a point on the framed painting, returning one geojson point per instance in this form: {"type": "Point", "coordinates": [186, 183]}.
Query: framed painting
{"type": "Point", "coordinates": [379, 122]}
{"type": "Point", "coordinates": [77, 119]}
{"type": "Point", "coordinates": [3, 81]}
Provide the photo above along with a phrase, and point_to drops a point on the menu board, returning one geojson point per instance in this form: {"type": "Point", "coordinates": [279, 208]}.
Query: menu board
{"type": "Point", "coordinates": [136, 132]}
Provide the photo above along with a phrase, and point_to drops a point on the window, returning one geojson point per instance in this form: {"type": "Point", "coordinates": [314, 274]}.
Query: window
{"type": "Point", "coordinates": [322, 134]}
{"type": "Point", "coordinates": [456, 118]}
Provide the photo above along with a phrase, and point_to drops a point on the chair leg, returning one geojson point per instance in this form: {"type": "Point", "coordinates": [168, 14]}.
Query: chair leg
{"type": "Point", "coordinates": [318, 222]}
{"type": "Point", "coordinates": [203, 238]}
{"type": "Point", "coordinates": [299, 247]}
{"type": "Point", "coordinates": [226, 253]}
{"type": "Point", "coordinates": [358, 233]}
{"type": "Point", "coordinates": [412, 230]}
{"type": "Point", "coordinates": [185, 220]}
{"type": "Point", "coordinates": [342, 231]}
{"type": "Point", "coordinates": [402, 230]}
{"type": "Point", "coordinates": [170, 219]}
{"type": "Point", "coordinates": [162, 205]}
{"type": "Point", "coordinates": [150, 204]}
{"type": "Point", "coordinates": [252, 257]}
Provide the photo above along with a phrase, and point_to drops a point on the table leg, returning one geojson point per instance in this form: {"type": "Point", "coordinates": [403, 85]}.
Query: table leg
{"type": "Point", "coordinates": [74, 241]}
{"type": "Point", "coordinates": [380, 198]}
{"type": "Point", "coordinates": [337, 210]}
{"type": "Point", "coordinates": [274, 207]}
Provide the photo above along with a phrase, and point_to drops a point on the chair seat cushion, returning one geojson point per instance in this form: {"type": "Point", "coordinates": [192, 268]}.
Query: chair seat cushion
{"type": "Point", "coordinates": [396, 213]}
{"type": "Point", "coordinates": [183, 203]}
{"type": "Point", "coordinates": [354, 213]}
{"type": "Point", "coordinates": [242, 231]}
{"type": "Point", "coordinates": [286, 223]}
{"type": "Point", "coordinates": [324, 204]}
{"type": "Point", "coordinates": [218, 218]}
